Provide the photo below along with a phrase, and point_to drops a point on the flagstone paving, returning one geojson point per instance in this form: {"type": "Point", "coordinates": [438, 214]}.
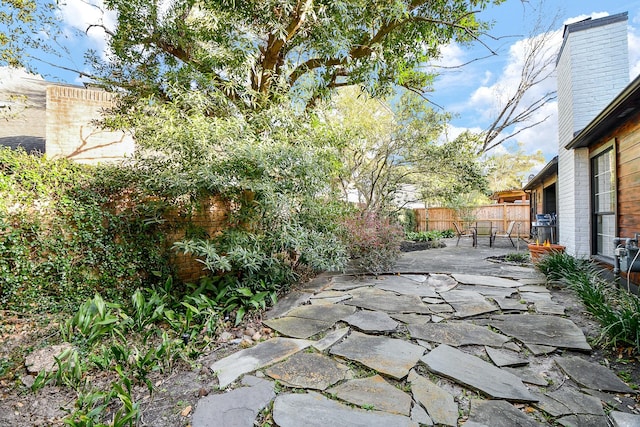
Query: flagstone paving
{"type": "Point", "coordinates": [451, 342]}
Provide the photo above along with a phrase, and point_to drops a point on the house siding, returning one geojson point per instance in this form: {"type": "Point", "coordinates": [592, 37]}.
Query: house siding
{"type": "Point", "coordinates": [593, 68]}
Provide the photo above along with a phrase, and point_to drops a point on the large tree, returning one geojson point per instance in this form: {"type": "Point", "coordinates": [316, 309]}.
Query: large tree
{"type": "Point", "coordinates": [385, 146]}
{"type": "Point", "coordinates": [244, 54]}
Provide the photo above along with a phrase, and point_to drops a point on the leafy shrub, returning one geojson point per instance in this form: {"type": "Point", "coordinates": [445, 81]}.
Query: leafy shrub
{"type": "Point", "coordinates": [617, 310]}
{"type": "Point", "coordinates": [447, 234]}
{"type": "Point", "coordinates": [373, 241]}
{"type": "Point", "coordinates": [61, 242]}
{"type": "Point", "coordinates": [517, 257]}
{"type": "Point", "coordinates": [425, 236]}
{"type": "Point", "coordinates": [407, 218]}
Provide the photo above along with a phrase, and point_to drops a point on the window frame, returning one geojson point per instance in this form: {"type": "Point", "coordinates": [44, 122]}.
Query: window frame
{"type": "Point", "coordinates": [608, 147]}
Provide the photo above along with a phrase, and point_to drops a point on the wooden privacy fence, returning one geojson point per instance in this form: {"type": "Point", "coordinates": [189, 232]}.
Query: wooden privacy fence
{"type": "Point", "coordinates": [500, 215]}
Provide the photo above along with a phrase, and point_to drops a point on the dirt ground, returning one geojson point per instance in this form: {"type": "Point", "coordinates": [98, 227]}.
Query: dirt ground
{"type": "Point", "coordinates": [176, 394]}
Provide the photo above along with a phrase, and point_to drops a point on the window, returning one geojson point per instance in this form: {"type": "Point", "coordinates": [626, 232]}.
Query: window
{"type": "Point", "coordinates": [603, 194]}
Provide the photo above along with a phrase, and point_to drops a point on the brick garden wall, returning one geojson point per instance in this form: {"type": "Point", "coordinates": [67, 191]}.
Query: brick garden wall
{"type": "Point", "coordinates": [210, 217]}
{"type": "Point", "coordinates": [70, 133]}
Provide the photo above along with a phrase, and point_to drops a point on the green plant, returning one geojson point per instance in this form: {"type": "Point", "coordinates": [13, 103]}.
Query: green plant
{"type": "Point", "coordinates": [94, 320]}
{"type": "Point", "coordinates": [373, 241]}
{"type": "Point", "coordinates": [520, 257]}
{"type": "Point", "coordinates": [424, 236]}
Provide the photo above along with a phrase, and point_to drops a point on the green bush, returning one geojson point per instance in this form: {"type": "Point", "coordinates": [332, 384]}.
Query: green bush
{"type": "Point", "coordinates": [425, 236]}
{"type": "Point", "coordinates": [373, 241]}
{"type": "Point", "coordinates": [617, 310]}
{"type": "Point", "coordinates": [60, 242]}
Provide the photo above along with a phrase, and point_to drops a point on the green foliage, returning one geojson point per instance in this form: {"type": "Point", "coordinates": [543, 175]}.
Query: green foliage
{"type": "Point", "coordinates": [407, 218]}
{"type": "Point", "coordinates": [520, 257]}
{"type": "Point", "coordinates": [185, 46]}
{"type": "Point", "coordinates": [509, 170]}
{"type": "Point", "coordinates": [617, 311]}
{"type": "Point", "coordinates": [60, 241]}
{"type": "Point", "coordinates": [425, 236]}
{"type": "Point", "coordinates": [373, 241]}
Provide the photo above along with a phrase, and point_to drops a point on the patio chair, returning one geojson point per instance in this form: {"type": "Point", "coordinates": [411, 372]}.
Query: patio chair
{"type": "Point", "coordinates": [465, 232]}
{"type": "Point", "coordinates": [506, 234]}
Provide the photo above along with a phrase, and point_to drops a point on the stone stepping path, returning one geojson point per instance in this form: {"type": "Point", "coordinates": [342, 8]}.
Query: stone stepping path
{"type": "Point", "coordinates": [409, 350]}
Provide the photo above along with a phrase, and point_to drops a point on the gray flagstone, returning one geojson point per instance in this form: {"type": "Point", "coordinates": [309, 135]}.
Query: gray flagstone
{"type": "Point", "coordinates": [308, 370]}
{"type": "Point", "coordinates": [582, 420]}
{"type": "Point", "coordinates": [331, 313]}
{"type": "Point", "coordinates": [512, 304]}
{"type": "Point", "coordinates": [315, 410]}
{"type": "Point", "coordinates": [439, 403]}
{"type": "Point", "coordinates": [441, 282]}
{"type": "Point", "coordinates": [379, 300]}
{"type": "Point", "coordinates": [330, 339]}
{"type": "Point", "coordinates": [476, 373]}
{"type": "Point", "coordinates": [592, 375]}
{"type": "Point", "coordinates": [411, 318]}
{"type": "Point", "coordinates": [298, 327]}
{"type": "Point", "coordinates": [502, 358]}
{"type": "Point", "coordinates": [374, 391]}
{"type": "Point", "coordinates": [489, 291]}
{"type": "Point", "coordinates": [534, 288]}
{"type": "Point", "coordinates": [498, 413]}
{"type": "Point", "coordinates": [259, 356]}
{"type": "Point", "coordinates": [291, 300]}
{"type": "Point", "coordinates": [467, 303]}
{"type": "Point", "coordinates": [410, 288]}
{"type": "Point", "coordinates": [457, 334]}
{"type": "Point", "coordinates": [528, 375]}
{"type": "Point", "coordinates": [567, 401]}
{"type": "Point", "coordinates": [420, 278]}
{"type": "Point", "coordinates": [390, 356]}
{"type": "Point", "coordinates": [237, 408]}
{"type": "Point", "coordinates": [623, 419]}
{"type": "Point", "coordinates": [372, 321]}
{"type": "Point", "coordinates": [542, 330]}
{"type": "Point", "coordinates": [472, 279]}
{"type": "Point", "coordinates": [419, 415]}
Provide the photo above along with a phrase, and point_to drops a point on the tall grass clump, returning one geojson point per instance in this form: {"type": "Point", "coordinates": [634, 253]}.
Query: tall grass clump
{"type": "Point", "coordinates": [617, 310]}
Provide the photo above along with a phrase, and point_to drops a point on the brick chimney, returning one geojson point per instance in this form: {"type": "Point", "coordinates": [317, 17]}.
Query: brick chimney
{"type": "Point", "coordinates": [592, 68]}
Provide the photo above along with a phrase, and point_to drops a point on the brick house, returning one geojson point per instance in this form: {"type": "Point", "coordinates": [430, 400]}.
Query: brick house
{"type": "Point", "coordinates": [56, 119]}
{"type": "Point", "coordinates": [599, 139]}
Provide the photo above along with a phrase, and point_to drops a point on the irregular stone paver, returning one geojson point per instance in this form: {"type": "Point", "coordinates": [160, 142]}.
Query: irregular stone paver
{"type": "Point", "coordinates": [291, 300]}
{"type": "Point", "coordinates": [330, 339]}
{"type": "Point", "coordinates": [457, 334]}
{"type": "Point", "coordinates": [440, 308]}
{"type": "Point", "coordinates": [315, 410]}
{"type": "Point", "coordinates": [614, 400]}
{"type": "Point", "coordinates": [347, 283]}
{"type": "Point", "coordinates": [374, 391]}
{"type": "Point", "coordinates": [298, 327]}
{"type": "Point", "coordinates": [420, 278]}
{"type": "Point", "coordinates": [582, 420]}
{"type": "Point", "coordinates": [440, 405]}
{"type": "Point", "coordinates": [331, 313]}
{"type": "Point", "coordinates": [477, 374]}
{"type": "Point", "coordinates": [528, 375]}
{"type": "Point", "coordinates": [429, 300]}
{"type": "Point", "coordinates": [308, 370]}
{"type": "Point", "coordinates": [329, 297]}
{"type": "Point", "coordinates": [237, 408]}
{"type": "Point", "coordinates": [409, 318]}
{"type": "Point", "coordinates": [543, 303]}
{"type": "Point", "coordinates": [499, 282]}
{"type": "Point", "coordinates": [569, 401]}
{"type": "Point", "coordinates": [534, 288]}
{"type": "Point", "coordinates": [379, 300]}
{"type": "Point", "coordinates": [372, 321]}
{"type": "Point", "coordinates": [592, 375]}
{"type": "Point", "coordinates": [498, 413]}
{"type": "Point", "coordinates": [539, 280]}
{"type": "Point", "coordinates": [390, 356]}
{"type": "Point", "coordinates": [542, 330]}
{"type": "Point", "coordinates": [511, 304]}
{"type": "Point", "coordinates": [259, 356]}
{"type": "Point", "coordinates": [538, 350]}
{"type": "Point", "coordinates": [489, 291]}
{"type": "Point", "coordinates": [419, 415]}
{"type": "Point", "coordinates": [441, 282]}
{"type": "Point", "coordinates": [623, 419]}
{"type": "Point", "coordinates": [308, 320]}
{"type": "Point", "coordinates": [467, 303]}
{"type": "Point", "coordinates": [502, 358]}
{"type": "Point", "coordinates": [410, 288]}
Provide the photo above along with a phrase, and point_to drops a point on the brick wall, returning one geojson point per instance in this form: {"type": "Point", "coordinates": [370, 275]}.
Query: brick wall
{"type": "Point", "coordinates": [69, 131]}
{"type": "Point", "coordinates": [593, 67]}
{"type": "Point", "coordinates": [209, 217]}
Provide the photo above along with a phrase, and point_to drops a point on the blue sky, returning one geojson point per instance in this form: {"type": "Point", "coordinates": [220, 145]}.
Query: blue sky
{"type": "Point", "coordinates": [468, 92]}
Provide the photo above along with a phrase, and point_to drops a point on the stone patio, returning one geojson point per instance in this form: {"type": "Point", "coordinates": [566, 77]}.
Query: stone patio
{"type": "Point", "coordinates": [447, 338]}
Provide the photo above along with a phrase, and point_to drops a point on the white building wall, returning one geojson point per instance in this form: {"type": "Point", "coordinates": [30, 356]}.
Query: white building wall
{"type": "Point", "coordinates": [593, 67]}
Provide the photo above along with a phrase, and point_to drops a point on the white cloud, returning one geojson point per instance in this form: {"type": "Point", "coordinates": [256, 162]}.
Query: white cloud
{"type": "Point", "coordinates": [78, 15]}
